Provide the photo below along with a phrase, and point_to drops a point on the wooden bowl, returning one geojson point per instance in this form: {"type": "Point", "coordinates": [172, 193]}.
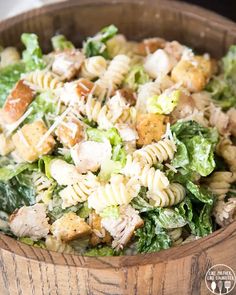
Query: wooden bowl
{"type": "Point", "coordinates": [181, 270]}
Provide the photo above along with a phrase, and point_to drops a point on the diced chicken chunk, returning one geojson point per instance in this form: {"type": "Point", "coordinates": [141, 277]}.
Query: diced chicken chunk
{"type": "Point", "coordinates": [225, 212]}
{"type": "Point", "coordinates": [89, 155]}
{"type": "Point", "coordinates": [150, 127]}
{"type": "Point", "coordinates": [127, 132]}
{"type": "Point", "coordinates": [193, 73]}
{"type": "Point", "coordinates": [122, 228]}
{"type": "Point", "coordinates": [68, 63]}
{"type": "Point", "coordinates": [6, 145]}
{"type": "Point", "coordinates": [17, 102]}
{"type": "Point", "coordinates": [30, 222]}
{"type": "Point", "coordinates": [99, 234]}
{"type": "Point", "coordinates": [28, 141]}
{"type": "Point", "coordinates": [69, 133]}
{"type": "Point", "coordinates": [64, 173]}
{"type": "Point", "coordinates": [159, 63]}
{"type": "Point", "coordinates": [70, 227]}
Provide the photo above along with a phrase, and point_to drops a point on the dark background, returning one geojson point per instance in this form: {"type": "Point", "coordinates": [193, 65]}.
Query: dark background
{"type": "Point", "coordinates": [224, 7]}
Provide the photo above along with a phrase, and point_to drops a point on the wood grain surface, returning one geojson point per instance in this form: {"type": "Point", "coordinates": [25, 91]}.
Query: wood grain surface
{"type": "Point", "coordinates": [179, 271]}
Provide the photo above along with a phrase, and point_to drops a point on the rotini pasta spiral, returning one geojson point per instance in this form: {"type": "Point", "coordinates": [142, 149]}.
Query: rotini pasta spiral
{"type": "Point", "coordinates": [43, 80]}
{"type": "Point", "coordinates": [114, 193]}
{"type": "Point", "coordinates": [93, 67]}
{"type": "Point", "coordinates": [170, 196]}
{"type": "Point", "coordinates": [114, 74]}
{"type": "Point", "coordinates": [53, 244]}
{"type": "Point", "coordinates": [42, 186]}
{"type": "Point", "coordinates": [225, 212]}
{"type": "Point", "coordinates": [175, 235]}
{"type": "Point", "coordinates": [219, 182]}
{"type": "Point", "coordinates": [227, 150]}
{"type": "Point", "coordinates": [156, 152]}
{"type": "Point", "coordinates": [79, 192]}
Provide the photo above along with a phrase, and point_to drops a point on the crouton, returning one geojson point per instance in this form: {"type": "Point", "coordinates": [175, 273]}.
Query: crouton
{"type": "Point", "coordinates": [70, 227]}
{"type": "Point", "coordinates": [150, 127]}
{"type": "Point", "coordinates": [99, 234]}
{"type": "Point", "coordinates": [193, 73]}
{"type": "Point", "coordinates": [17, 102]}
{"type": "Point", "coordinates": [27, 141]}
{"type": "Point", "coordinates": [150, 45]}
{"type": "Point", "coordinates": [69, 133]}
{"type": "Point", "coordinates": [6, 145]}
{"type": "Point", "coordinates": [67, 64]}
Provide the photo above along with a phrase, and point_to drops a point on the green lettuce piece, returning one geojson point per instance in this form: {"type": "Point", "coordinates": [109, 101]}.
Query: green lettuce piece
{"type": "Point", "coordinates": [96, 45]}
{"type": "Point", "coordinates": [99, 135]}
{"type": "Point", "coordinates": [101, 251]}
{"type": "Point", "coordinates": [195, 147]}
{"type": "Point", "coordinates": [8, 172]}
{"type": "Point", "coordinates": [151, 237]}
{"type": "Point", "coordinates": [119, 154]}
{"type": "Point", "coordinates": [84, 211]}
{"type": "Point", "coordinates": [43, 105]}
{"type": "Point", "coordinates": [60, 42]}
{"type": "Point", "coordinates": [108, 168]}
{"type": "Point", "coordinates": [164, 103]}
{"type": "Point", "coordinates": [32, 55]}
{"type": "Point", "coordinates": [222, 87]}
{"type": "Point", "coordinates": [8, 78]}
{"type": "Point", "coordinates": [110, 212]}
{"type": "Point", "coordinates": [136, 76]}
{"type": "Point", "coordinates": [30, 242]}
{"type": "Point", "coordinates": [44, 165]}
{"type": "Point", "coordinates": [140, 202]}
{"type": "Point", "coordinates": [169, 218]}
{"type": "Point", "coordinates": [199, 193]}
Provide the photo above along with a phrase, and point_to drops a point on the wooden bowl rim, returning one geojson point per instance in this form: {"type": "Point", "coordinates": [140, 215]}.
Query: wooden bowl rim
{"type": "Point", "coordinates": [193, 248]}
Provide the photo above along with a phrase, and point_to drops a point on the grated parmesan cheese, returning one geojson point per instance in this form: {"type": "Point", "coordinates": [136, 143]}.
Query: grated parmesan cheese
{"type": "Point", "coordinates": [12, 127]}
{"type": "Point", "coordinates": [22, 138]}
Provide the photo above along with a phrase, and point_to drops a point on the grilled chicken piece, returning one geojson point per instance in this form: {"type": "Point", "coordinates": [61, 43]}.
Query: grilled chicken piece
{"type": "Point", "coordinates": [30, 222]}
{"type": "Point", "coordinates": [99, 234]}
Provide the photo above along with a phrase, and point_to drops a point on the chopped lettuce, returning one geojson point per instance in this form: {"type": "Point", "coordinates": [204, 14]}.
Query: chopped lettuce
{"type": "Point", "coordinates": [164, 103]}
{"type": "Point", "coordinates": [108, 168]}
{"type": "Point", "coordinates": [97, 45]}
{"type": "Point", "coordinates": [169, 218]}
{"type": "Point", "coordinates": [30, 242]}
{"type": "Point", "coordinates": [151, 237]}
{"type": "Point", "coordinates": [101, 251]}
{"type": "Point", "coordinates": [136, 76]}
{"type": "Point", "coordinates": [8, 78]}
{"type": "Point", "coordinates": [84, 211]}
{"type": "Point", "coordinates": [60, 42]}
{"type": "Point", "coordinates": [195, 147]}
{"type": "Point", "coordinates": [222, 87]}
{"type": "Point", "coordinates": [199, 193]}
{"type": "Point", "coordinates": [44, 165]}
{"type": "Point", "coordinates": [140, 202]}
{"type": "Point", "coordinates": [9, 171]}
{"type": "Point", "coordinates": [43, 105]}
{"type": "Point", "coordinates": [32, 55]}
{"type": "Point", "coordinates": [110, 212]}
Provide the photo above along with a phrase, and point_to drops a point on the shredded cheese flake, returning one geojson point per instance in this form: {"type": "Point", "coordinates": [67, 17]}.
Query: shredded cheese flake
{"type": "Point", "coordinates": [12, 127]}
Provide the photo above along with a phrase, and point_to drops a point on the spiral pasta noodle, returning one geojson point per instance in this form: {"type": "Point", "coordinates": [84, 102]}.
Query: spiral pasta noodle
{"type": "Point", "coordinates": [93, 67]}
{"type": "Point", "coordinates": [156, 152]}
{"type": "Point", "coordinates": [43, 80]}
{"type": "Point", "coordinates": [115, 73]}
{"type": "Point", "coordinates": [176, 236]}
{"type": "Point", "coordinates": [53, 244]}
{"type": "Point", "coordinates": [42, 184]}
{"type": "Point", "coordinates": [79, 192]}
{"type": "Point", "coordinates": [227, 150]}
{"type": "Point", "coordinates": [170, 196]}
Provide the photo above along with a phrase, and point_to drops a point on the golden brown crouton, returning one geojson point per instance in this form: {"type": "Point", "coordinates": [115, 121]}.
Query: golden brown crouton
{"type": "Point", "coordinates": [193, 74]}
{"type": "Point", "coordinates": [150, 45]}
{"type": "Point", "coordinates": [28, 141]}
{"type": "Point", "coordinates": [69, 133]}
{"type": "Point", "coordinates": [70, 227]}
{"type": "Point", "coordinates": [6, 145]}
{"type": "Point", "coordinates": [99, 234]}
{"type": "Point", "coordinates": [84, 87]}
{"type": "Point", "coordinates": [17, 102]}
{"type": "Point", "coordinates": [150, 127]}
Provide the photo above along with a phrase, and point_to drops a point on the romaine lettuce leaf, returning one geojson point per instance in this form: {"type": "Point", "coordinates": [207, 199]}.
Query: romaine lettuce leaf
{"type": "Point", "coordinates": [101, 251]}
{"type": "Point", "coordinates": [110, 212]}
{"type": "Point", "coordinates": [140, 202]}
{"type": "Point", "coordinates": [136, 76]}
{"type": "Point", "coordinates": [30, 242]}
{"type": "Point", "coordinates": [99, 135]}
{"type": "Point", "coordinates": [60, 42]}
{"type": "Point", "coordinates": [195, 147]}
{"type": "Point", "coordinates": [9, 171]}
{"type": "Point", "coordinates": [8, 78]}
{"type": "Point", "coordinates": [169, 218]}
{"type": "Point", "coordinates": [108, 168]}
{"type": "Point", "coordinates": [96, 45]}
{"type": "Point", "coordinates": [32, 55]}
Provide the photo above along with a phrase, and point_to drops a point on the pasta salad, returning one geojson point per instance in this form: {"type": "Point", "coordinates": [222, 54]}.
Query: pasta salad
{"type": "Point", "coordinates": [115, 148]}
